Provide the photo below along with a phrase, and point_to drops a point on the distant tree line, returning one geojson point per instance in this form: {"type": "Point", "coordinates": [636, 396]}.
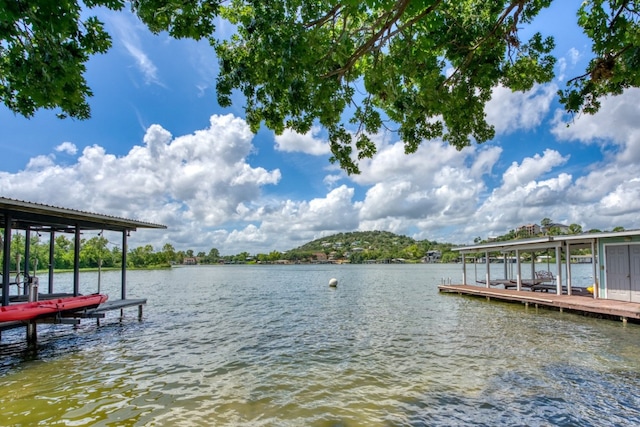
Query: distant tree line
{"type": "Point", "coordinates": [98, 251]}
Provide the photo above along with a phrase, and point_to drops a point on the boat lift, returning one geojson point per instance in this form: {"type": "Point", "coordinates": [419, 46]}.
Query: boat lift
{"type": "Point", "coordinates": [34, 217]}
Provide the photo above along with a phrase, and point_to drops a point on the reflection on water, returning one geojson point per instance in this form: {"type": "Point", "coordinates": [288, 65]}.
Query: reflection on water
{"type": "Point", "coordinates": [276, 346]}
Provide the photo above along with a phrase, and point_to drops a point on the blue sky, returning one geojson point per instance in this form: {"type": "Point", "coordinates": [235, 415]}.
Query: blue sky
{"type": "Point", "coordinates": [158, 148]}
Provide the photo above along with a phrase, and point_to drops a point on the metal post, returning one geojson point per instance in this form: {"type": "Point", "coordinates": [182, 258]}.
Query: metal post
{"type": "Point", "coordinates": [32, 326]}
{"type": "Point", "coordinates": [487, 274]}
{"type": "Point", "coordinates": [76, 263]}
{"type": "Point", "coordinates": [52, 245]}
{"type": "Point", "coordinates": [518, 271]}
{"type": "Point", "coordinates": [27, 255]}
{"type": "Point", "coordinates": [124, 265]}
{"type": "Point", "coordinates": [568, 261]}
{"type": "Point", "coordinates": [504, 261]}
{"type": "Point", "coordinates": [32, 333]}
{"type": "Point", "coordinates": [558, 270]}
{"type": "Point", "coordinates": [596, 278]}
{"type": "Point", "coordinates": [464, 268]}
{"type": "Point", "coordinates": [6, 248]}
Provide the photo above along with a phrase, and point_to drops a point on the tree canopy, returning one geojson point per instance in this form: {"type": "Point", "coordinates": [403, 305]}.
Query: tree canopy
{"type": "Point", "coordinates": [424, 68]}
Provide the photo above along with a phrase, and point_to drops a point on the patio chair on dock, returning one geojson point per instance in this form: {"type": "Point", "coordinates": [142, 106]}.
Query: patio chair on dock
{"type": "Point", "coordinates": [545, 281]}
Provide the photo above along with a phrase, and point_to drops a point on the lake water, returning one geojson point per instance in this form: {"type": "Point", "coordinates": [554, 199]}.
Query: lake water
{"type": "Point", "coordinates": [276, 346]}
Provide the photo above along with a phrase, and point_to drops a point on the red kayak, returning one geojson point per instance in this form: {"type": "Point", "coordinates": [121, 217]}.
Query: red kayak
{"type": "Point", "coordinates": [31, 310]}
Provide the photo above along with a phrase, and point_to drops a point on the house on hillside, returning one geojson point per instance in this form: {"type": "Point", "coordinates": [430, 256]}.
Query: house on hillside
{"type": "Point", "coordinates": [320, 256]}
{"type": "Point", "coordinates": [432, 256]}
{"type": "Point", "coordinates": [528, 230]}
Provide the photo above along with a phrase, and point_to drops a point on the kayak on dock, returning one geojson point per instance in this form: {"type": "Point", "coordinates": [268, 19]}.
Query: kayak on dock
{"type": "Point", "coordinates": [32, 310]}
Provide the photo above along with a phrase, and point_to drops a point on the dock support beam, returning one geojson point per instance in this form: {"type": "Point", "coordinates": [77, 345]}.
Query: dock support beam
{"type": "Point", "coordinates": [52, 245]}
{"type": "Point", "coordinates": [568, 267]}
{"type": "Point", "coordinates": [32, 327]}
{"type": "Point", "coordinates": [124, 265]}
{"type": "Point", "coordinates": [596, 278]}
{"type": "Point", "coordinates": [518, 271]}
{"type": "Point", "coordinates": [27, 255]}
{"type": "Point", "coordinates": [6, 254]}
{"type": "Point", "coordinates": [558, 270]}
{"type": "Point", "coordinates": [32, 333]}
{"type": "Point", "coordinates": [488, 271]}
{"type": "Point", "coordinates": [464, 269]}
{"type": "Point", "coordinates": [76, 263]}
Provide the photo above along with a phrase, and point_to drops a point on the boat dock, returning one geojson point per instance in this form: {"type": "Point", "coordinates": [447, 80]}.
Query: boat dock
{"type": "Point", "coordinates": [31, 297]}
{"type": "Point", "coordinates": [573, 303]}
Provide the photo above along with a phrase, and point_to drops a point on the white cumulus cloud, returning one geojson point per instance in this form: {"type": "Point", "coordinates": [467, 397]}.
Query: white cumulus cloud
{"type": "Point", "coordinates": [200, 178]}
{"type": "Point", "coordinates": [67, 148]}
{"type": "Point", "coordinates": [309, 143]}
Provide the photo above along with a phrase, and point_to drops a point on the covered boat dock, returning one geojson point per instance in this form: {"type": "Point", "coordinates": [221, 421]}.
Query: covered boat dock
{"type": "Point", "coordinates": [613, 291]}
{"type": "Point", "coordinates": [39, 218]}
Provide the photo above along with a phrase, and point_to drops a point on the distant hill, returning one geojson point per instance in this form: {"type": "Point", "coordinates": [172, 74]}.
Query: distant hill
{"type": "Point", "coordinates": [371, 246]}
{"type": "Point", "coordinates": [367, 240]}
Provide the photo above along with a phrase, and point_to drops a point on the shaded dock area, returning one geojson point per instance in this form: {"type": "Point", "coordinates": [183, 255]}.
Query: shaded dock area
{"type": "Point", "coordinates": [573, 303]}
{"type": "Point", "coordinates": [27, 303]}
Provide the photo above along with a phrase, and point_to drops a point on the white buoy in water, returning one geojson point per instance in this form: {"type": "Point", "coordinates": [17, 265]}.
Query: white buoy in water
{"type": "Point", "coordinates": [333, 283]}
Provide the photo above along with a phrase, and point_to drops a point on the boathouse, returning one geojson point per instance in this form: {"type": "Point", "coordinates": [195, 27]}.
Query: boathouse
{"type": "Point", "coordinates": [44, 219]}
{"type": "Point", "coordinates": [614, 260]}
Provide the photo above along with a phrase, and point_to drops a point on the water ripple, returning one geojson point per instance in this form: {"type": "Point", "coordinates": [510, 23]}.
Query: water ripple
{"type": "Point", "coordinates": [275, 346]}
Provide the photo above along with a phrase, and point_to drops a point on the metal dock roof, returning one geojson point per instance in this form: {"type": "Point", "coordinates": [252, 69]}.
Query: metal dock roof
{"type": "Point", "coordinates": [38, 216]}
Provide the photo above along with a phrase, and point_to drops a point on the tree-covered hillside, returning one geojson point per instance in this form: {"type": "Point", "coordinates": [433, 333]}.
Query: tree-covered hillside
{"type": "Point", "coordinates": [355, 247]}
{"type": "Point", "coordinates": [368, 239]}
{"type": "Point", "coordinates": [363, 246]}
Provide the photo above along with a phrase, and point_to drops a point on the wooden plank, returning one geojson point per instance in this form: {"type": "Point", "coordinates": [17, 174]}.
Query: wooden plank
{"type": "Point", "coordinates": [585, 304]}
{"type": "Point", "coordinates": [117, 305]}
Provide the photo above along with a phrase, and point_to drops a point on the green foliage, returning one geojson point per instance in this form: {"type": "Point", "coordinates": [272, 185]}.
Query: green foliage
{"type": "Point", "coordinates": [181, 19]}
{"type": "Point", "coordinates": [94, 252]}
{"type": "Point", "coordinates": [423, 68]}
{"type": "Point", "coordinates": [44, 46]}
{"type": "Point", "coordinates": [141, 256]}
{"type": "Point", "coordinates": [400, 51]}
{"type": "Point", "coordinates": [612, 25]}
{"type": "Point", "coordinates": [357, 247]}
{"type": "Point", "coordinates": [575, 229]}
{"type": "Point", "coordinates": [362, 246]}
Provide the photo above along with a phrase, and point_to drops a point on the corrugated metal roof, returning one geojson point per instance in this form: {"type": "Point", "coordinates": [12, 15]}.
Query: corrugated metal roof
{"type": "Point", "coordinates": [536, 243]}
{"type": "Point", "coordinates": [36, 215]}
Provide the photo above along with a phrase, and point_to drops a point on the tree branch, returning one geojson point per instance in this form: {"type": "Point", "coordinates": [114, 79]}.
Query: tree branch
{"type": "Point", "coordinates": [378, 37]}
{"type": "Point", "coordinates": [520, 5]}
{"type": "Point", "coordinates": [323, 20]}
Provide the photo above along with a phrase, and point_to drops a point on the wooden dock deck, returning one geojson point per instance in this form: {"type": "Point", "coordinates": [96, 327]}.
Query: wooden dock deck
{"type": "Point", "coordinates": [575, 303]}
